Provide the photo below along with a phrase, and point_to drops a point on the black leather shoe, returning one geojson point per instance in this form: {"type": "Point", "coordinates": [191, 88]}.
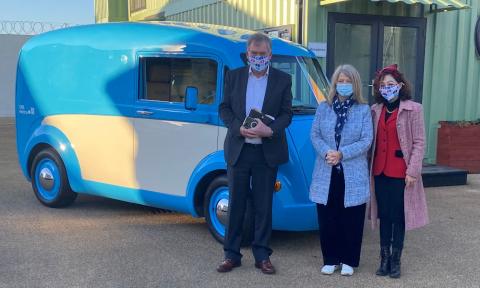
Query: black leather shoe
{"type": "Point", "coordinates": [384, 268]}
{"type": "Point", "coordinates": [395, 264]}
{"type": "Point", "coordinates": [266, 267]}
{"type": "Point", "coordinates": [227, 265]}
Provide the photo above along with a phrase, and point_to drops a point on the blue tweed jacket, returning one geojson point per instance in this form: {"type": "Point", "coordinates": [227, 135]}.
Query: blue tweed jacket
{"type": "Point", "coordinates": [357, 135]}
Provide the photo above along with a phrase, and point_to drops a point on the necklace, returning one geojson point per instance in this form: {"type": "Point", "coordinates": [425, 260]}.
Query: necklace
{"type": "Point", "coordinates": [390, 112]}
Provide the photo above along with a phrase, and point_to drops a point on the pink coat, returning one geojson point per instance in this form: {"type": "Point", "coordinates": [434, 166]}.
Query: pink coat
{"type": "Point", "coordinates": [411, 133]}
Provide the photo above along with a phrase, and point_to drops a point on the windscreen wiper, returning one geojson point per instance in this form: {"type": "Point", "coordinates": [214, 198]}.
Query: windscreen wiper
{"type": "Point", "coordinates": [304, 108]}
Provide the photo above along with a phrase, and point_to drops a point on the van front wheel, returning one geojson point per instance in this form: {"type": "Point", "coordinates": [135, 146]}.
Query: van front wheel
{"type": "Point", "coordinates": [49, 180]}
{"type": "Point", "coordinates": [216, 211]}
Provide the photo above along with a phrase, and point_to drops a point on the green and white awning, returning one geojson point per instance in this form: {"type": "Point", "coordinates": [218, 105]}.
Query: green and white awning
{"type": "Point", "coordinates": [441, 4]}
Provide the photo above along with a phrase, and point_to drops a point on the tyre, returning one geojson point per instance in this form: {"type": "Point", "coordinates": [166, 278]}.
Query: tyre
{"type": "Point", "coordinates": [49, 180]}
{"type": "Point", "coordinates": [216, 211]}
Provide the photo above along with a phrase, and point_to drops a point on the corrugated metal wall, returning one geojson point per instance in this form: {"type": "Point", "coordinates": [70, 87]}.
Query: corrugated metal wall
{"type": "Point", "coordinates": [152, 7]}
{"type": "Point", "coordinates": [111, 11]}
{"type": "Point", "coordinates": [249, 14]}
{"type": "Point", "coordinates": [101, 11]}
{"type": "Point", "coordinates": [117, 10]}
{"type": "Point", "coordinates": [452, 70]}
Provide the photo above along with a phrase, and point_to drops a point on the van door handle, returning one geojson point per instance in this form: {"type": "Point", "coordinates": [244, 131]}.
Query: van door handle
{"type": "Point", "coordinates": [144, 112]}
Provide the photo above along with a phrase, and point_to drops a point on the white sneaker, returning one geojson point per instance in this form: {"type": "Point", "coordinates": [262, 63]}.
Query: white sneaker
{"type": "Point", "coordinates": [346, 270]}
{"type": "Point", "coordinates": [329, 269]}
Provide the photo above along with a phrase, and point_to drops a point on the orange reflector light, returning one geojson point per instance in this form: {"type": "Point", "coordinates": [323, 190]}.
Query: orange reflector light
{"type": "Point", "coordinates": [278, 186]}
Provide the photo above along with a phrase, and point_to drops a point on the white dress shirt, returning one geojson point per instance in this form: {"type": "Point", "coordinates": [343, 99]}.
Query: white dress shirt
{"type": "Point", "coordinates": [256, 88]}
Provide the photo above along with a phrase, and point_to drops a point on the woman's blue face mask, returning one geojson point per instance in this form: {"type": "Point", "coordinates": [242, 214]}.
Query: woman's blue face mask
{"type": "Point", "coordinates": [344, 89]}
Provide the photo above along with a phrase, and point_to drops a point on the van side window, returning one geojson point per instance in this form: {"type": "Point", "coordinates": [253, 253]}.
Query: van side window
{"type": "Point", "coordinates": [166, 79]}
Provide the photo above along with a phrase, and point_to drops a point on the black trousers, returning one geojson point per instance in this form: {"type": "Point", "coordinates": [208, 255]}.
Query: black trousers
{"type": "Point", "coordinates": [250, 177]}
{"type": "Point", "coordinates": [389, 192]}
{"type": "Point", "coordinates": [340, 228]}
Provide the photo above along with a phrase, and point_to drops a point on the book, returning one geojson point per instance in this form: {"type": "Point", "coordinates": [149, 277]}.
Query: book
{"type": "Point", "coordinates": [250, 121]}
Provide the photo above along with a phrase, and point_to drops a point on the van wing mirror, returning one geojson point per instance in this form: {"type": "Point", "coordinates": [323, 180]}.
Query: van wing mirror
{"type": "Point", "coordinates": [191, 98]}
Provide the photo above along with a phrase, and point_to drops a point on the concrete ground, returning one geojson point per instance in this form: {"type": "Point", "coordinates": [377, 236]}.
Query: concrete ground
{"type": "Point", "coordinates": [104, 243]}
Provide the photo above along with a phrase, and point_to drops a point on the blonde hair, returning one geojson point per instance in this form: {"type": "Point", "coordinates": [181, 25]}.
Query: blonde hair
{"type": "Point", "coordinates": [354, 76]}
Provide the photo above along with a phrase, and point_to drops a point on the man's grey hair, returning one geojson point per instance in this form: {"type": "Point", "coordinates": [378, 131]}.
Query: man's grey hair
{"type": "Point", "coordinates": [258, 38]}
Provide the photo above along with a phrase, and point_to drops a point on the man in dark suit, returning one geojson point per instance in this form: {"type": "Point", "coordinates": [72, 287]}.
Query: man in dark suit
{"type": "Point", "coordinates": [253, 155]}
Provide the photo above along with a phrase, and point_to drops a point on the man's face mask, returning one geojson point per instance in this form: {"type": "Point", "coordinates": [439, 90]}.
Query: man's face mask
{"type": "Point", "coordinates": [259, 63]}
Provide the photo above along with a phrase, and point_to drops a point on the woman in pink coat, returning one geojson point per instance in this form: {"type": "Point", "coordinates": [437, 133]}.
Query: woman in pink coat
{"type": "Point", "coordinates": [398, 149]}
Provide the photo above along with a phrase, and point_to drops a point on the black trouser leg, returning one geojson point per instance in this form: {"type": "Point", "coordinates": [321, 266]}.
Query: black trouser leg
{"type": "Point", "coordinates": [386, 230]}
{"type": "Point", "coordinates": [340, 228]}
{"type": "Point", "coordinates": [239, 187]}
{"type": "Point", "coordinates": [390, 199]}
{"type": "Point", "coordinates": [398, 235]}
{"type": "Point", "coordinates": [263, 182]}
{"type": "Point", "coordinates": [329, 241]}
{"type": "Point", "coordinates": [252, 170]}
{"type": "Point", "coordinates": [352, 222]}
{"type": "Point", "coordinates": [328, 220]}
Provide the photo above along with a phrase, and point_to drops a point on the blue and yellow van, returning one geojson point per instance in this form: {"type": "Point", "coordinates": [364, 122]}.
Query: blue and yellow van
{"type": "Point", "coordinates": [129, 111]}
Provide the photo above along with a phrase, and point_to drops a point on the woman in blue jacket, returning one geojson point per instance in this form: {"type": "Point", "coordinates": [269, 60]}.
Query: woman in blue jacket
{"type": "Point", "coordinates": [341, 135]}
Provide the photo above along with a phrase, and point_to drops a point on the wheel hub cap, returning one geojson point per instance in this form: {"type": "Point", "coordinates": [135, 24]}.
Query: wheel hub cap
{"type": "Point", "coordinates": [46, 179]}
{"type": "Point", "coordinates": [222, 211]}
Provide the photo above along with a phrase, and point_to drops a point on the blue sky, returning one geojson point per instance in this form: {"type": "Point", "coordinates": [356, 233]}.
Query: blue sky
{"type": "Point", "coordinates": [57, 11]}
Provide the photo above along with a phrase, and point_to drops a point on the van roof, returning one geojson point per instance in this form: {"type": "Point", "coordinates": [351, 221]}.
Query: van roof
{"type": "Point", "coordinates": [94, 69]}
{"type": "Point", "coordinates": [161, 35]}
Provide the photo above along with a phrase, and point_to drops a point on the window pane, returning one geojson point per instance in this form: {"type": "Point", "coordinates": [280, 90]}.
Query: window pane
{"type": "Point", "coordinates": [158, 79]}
{"type": "Point", "coordinates": [200, 73]}
{"type": "Point", "coordinates": [308, 84]}
{"type": "Point", "coordinates": [290, 66]}
{"type": "Point", "coordinates": [353, 46]}
{"type": "Point", "coordinates": [399, 48]}
{"type": "Point", "coordinates": [168, 78]}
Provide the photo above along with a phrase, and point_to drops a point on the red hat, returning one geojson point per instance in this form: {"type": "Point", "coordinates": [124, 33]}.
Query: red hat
{"type": "Point", "coordinates": [390, 69]}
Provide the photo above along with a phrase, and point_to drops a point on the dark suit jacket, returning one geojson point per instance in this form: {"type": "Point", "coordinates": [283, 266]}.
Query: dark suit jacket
{"type": "Point", "coordinates": [277, 103]}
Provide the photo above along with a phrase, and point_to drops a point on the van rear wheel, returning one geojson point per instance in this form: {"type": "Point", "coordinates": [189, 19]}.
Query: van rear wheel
{"type": "Point", "coordinates": [49, 180]}
{"type": "Point", "coordinates": [216, 211]}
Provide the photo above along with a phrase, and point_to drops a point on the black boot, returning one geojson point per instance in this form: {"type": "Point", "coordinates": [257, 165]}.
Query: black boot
{"type": "Point", "coordinates": [384, 268]}
{"type": "Point", "coordinates": [395, 263]}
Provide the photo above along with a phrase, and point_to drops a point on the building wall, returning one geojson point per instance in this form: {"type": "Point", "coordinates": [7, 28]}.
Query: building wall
{"type": "Point", "coordinates": [9, 49]}
{"type": "Point", "coordinates": [249, 14]}
{"type": "Point", "coordinates": [153, 7]}
{"type": "Point", "coordinates": [169, 7]}
{"type": "Point", "coordinates": [121, 10]}
{"type": "Point", "coordinates": [452, 70]}
{"type": "Point", "coordinates": [111, 11]}
{"type": "Point", "coordinates": [101, 11]}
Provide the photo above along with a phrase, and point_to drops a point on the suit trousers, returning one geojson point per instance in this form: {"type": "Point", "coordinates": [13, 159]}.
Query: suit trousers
{"type": "Point", "coordinates": [340, 228]}
{"type": "Point", "coordinates": [250, 177]}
